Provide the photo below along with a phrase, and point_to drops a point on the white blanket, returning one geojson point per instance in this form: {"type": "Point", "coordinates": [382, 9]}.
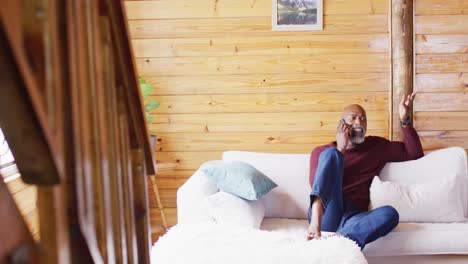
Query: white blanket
{"type": "Point", "coordinates": [227, 244]}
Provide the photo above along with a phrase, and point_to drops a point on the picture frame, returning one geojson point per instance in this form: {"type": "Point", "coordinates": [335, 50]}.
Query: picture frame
{"type": "Point", "coordinates": [297, 15]}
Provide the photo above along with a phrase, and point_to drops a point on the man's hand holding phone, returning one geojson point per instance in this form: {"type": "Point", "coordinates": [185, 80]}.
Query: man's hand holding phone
{"type": "Point", "coordinates": [343, 133]}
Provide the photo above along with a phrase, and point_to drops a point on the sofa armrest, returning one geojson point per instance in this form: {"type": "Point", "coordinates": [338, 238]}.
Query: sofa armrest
{"type": "Point", "coordinates": [192, 206]}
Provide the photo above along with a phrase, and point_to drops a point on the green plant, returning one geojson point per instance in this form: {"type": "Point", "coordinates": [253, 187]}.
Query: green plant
{"type": "Point", "coordinates": [150, 105]}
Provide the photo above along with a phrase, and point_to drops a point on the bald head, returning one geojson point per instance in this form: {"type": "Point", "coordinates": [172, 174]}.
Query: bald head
{"type": "Point", "coordinates": [353, 108]}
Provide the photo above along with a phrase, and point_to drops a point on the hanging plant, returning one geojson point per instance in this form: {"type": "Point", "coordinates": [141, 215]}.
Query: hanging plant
{"type": "Point", "coordinates": [150, 105]}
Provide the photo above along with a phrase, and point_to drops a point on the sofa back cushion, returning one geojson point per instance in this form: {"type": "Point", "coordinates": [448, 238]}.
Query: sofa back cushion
{"type": "Point", "coordinates": [435, 201]}
{"type": "Point", "coordinates": [290, 171]}
{"type": "Point", "coordinates": [432, 167]}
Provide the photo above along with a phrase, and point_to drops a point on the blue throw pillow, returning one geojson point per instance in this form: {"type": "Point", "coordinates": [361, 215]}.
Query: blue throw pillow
{"type": "Point", "coordinates": [241, 179]}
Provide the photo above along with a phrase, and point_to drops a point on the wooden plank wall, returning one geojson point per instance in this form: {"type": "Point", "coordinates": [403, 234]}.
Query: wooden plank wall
{"type": "Point", "coordinates": [441, 47]}
{"type": "Point", "coordinates": [25, 196]}
{"type": "Point", "coordinates": [227, 82]}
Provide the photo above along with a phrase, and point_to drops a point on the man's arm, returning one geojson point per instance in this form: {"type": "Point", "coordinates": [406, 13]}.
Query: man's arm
{"type": "Point", "coordinates": [410, 148]}
{"type": "Point", "coordinates": [412, 143]}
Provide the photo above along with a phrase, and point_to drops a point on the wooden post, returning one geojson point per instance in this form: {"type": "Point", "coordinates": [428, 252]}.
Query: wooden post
{"type": "Point", "coordinates": [402, 59]}
{"type": "Point", "coordinates": [142, 218]}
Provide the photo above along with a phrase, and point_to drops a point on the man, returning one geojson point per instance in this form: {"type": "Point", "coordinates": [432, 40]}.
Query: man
{"type": "Point", "coordinates": [341, 174]}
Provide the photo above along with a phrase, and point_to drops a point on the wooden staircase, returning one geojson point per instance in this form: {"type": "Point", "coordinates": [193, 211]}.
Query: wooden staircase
{"type": "Point", "coordinates": [71, 110]}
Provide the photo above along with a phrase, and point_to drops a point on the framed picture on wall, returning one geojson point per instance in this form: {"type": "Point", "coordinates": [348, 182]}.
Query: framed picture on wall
{"type": "Point", "coordinates": [297, 15]}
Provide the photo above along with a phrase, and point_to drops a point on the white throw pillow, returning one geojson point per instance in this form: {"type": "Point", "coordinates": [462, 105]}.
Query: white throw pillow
{"type": "Point", "coordinates": [437, 201]}
{"type": "Point", "coordinates": [226, 208]}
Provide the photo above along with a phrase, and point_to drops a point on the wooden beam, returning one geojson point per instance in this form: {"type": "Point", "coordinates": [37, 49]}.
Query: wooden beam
{"type": "Point", "coordinates": [21, 124]}
{"type": "Point", "coordinates": [402, 59]}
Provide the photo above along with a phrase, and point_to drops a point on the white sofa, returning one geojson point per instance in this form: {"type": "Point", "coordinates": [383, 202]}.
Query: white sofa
{"type": "Point", "coordinates": [408, 243]}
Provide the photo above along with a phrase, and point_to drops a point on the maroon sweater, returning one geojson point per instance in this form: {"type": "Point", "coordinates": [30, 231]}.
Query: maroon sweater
{"type": "Point", "coordinates": [367, 159]}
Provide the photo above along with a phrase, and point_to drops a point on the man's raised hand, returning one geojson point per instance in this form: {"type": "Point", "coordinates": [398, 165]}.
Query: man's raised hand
{"type": "Point", "coordinates": [405, 105]}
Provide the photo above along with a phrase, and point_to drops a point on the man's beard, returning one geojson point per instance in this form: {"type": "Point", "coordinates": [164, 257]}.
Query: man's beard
{"type": "Point", "coordinates": [357, 135]}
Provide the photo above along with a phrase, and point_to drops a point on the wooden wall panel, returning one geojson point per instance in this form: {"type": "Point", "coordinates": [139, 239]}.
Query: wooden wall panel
{"type": "Point", "coordinates": [16, 185]}
{"type": "Point", "coordinates": [435, 63]}
{"type": "Point", "coordinates": [251, 26]}
{"type": "Point", "coordinates": [273, 64]}
{"type": "Point", "coordinates": [249, 141]}
{"type": "Point", "coordinates": [171, 215]}
{"type": "Point", "coordinates": [444, 138]}
{"type": "Point", "coordinates": [452, 121]}
{"type": "Point", "coordinates": [449, 24]}
{"type": "Point", "coordinates": [269, 45]}
{"type": "Point", "coordinates": [442, 82]}
{"type": "Point", "coordinates": [441, 107]}
{"type": "Point", "coordinates": [241, 122]}
{"type": "Point", "coordinates": [188, 160]}
{"type": "Point", "coordinates": [442, 102]}
{"type": "Point", "coordinates": [430, 44]}
{"type": "Point", "coordinates": [270, 83]}
{"type": "Point", "coordinates": [269, 103]}
{"type": "Point", "coordinates": [25, 196]}
{"type": "Point", "coordinates": [208, 8]}
{"type": "Point", "coordinates": [171, 183]}
{"type": "Point", "coordinates": [438, 7]}
{"type": "Point", "coordinates": [226, 81]}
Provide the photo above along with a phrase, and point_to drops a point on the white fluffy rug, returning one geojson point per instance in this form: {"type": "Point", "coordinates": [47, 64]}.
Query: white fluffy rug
{"type": "Point", "coordinates": [277, 242]}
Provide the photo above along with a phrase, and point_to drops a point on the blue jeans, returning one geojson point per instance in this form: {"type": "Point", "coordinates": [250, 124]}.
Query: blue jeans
{"type": "Point", "coordinates": [342, 216]}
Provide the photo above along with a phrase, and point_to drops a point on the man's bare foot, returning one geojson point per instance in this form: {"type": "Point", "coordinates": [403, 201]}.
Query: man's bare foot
{"type": "Point", "coordinates": [316, 220]}
{"type": "Point", "coordinates": [313, 232]}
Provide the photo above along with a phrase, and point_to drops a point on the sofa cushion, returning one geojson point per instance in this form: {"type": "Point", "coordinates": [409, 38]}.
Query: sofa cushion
{"type": "Point", "coordinates": [240, 178]}
{"type": "Point", "coordinates": [421, 239]}
{"type": "Point", "coordinates": [436, 201]}
{"type": "Point", "coordinates": [405, 239]}
{"type": "Point", "coordinates": [191, 197]}
{"type": "Point", "coordinates": [226, 208]}
{"type": "Point", "coordinates": [433, 166]}
{"type": "Point", "coordinates": [290, 171]}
